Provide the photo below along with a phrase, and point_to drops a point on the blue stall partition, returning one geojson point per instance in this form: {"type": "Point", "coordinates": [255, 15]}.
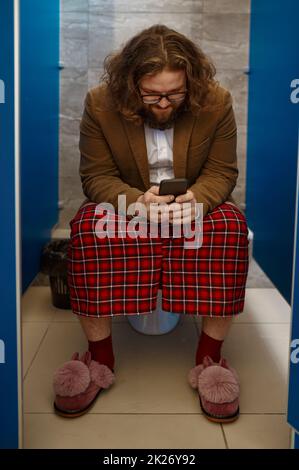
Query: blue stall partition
{"type": "Point", "coordinates": [10, 266]}
{"type": "Point", "coordinates": [29, 111]}
{"type": "Point", "coordinates": [293, 400]}
{"type": "Point", "coordinates": [272, 137]}
{"type": "Point", "coordinates": [39, 36]}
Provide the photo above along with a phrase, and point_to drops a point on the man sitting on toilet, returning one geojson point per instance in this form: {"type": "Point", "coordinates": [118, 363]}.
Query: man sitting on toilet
{"type": "Point", "coordinates": [157, 114]}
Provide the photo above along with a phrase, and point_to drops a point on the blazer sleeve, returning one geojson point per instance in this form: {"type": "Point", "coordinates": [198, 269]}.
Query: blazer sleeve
{"type": "Point", "coordinates": [100, 176]}
{"type": "Point", "coordinates": [219, 173]}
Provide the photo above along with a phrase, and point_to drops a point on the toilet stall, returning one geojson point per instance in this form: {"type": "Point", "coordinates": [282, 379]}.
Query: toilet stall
{"type": "Point", "coordinates": [29, 113]}
{"type": "Point", "coordinates": [29, 131]}
{"type": "Point", "coordinates": [272, 159]}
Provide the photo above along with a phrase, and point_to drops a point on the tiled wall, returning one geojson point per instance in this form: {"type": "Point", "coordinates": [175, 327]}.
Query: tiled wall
{"type": "Point", "coordinates": [90, 29]}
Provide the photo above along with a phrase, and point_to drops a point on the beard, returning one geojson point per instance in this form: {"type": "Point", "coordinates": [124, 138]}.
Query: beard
{"type": "Point", "coordinates": [152, 121]}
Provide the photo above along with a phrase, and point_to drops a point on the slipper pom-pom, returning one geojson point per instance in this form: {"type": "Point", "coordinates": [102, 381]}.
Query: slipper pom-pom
{"type": "Point", "coordinates": [193, 375]}
{"type": "Point", "coordinates": [71, 379]}
{"type": "Point", "coordinates": [218, 385]}
{"type": "Point", "coordinates": [101, 374]}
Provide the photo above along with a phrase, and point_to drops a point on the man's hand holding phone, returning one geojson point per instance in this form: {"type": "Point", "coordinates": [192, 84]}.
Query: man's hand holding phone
{"type": "Point", "coordinates": [165, 210]}
{"type": "Point", "coordinates": [183, 215]}
{"type": "Point", "coordinates": [152, 196]}
{"type": "Point", "coordinates": [177, 213]}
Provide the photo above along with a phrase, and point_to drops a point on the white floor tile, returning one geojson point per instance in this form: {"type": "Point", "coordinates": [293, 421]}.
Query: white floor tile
{"type": "Point", "coordinates": [253, 350]}
{"type": "Point", "coordinates": [36, 305]}
{"type": "Point", "coordinates": [258, 432]}
{"type": "Point", "coordinates": [122, 431]}
{"type": "Point", "coordinates": [264, 306]}
{"type": "Point", "coordinates": [32, 335]}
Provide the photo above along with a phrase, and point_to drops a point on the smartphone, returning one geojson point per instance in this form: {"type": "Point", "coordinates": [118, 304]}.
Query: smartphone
{"type": "Point", "coordinates": [175, 186]}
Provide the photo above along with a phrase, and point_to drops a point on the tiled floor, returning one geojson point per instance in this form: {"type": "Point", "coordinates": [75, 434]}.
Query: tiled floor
{"type": "Point", "coordinates": [151, 404]}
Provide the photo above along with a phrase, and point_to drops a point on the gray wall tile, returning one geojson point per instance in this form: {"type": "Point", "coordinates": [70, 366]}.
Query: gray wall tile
{"type": "Point", "coordinates": [150, 6]}
{"type": "Point", "coordinates": [225, 39]}
{"type": "Point", "coordinates": [237, 83]}
{"type": "Point", "coordinates": [74, 5]}
{"type": "Point", "coordinates": [70, 191]}
{"type": "Point", "coordinates": [73, 89]}
{"type": "Point", "coordinates": [69, 125]}
{"type": "Point", "coordinates": [69, 154]}
{"type": "Point", "coordinates": [94, 76]}
{"type": "Point", "coordinates": [74, 39]}
{"type": "Point", "coordinates": [226, 6]}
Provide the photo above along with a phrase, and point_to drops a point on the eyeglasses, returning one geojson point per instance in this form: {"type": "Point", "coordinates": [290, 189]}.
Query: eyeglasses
{"type": "Point", "coordinates": [171, 97]}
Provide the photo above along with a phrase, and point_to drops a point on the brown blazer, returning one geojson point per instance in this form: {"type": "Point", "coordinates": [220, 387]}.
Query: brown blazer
{"type": "Point", "coordinates": [114, 156]}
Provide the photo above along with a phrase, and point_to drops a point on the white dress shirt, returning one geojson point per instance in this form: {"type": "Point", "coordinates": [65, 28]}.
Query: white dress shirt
{"type": "Point", "coordinates": [159, 144]}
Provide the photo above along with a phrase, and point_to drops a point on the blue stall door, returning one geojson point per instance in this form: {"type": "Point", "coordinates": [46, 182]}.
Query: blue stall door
{"type": "Point", "coordinates": [293, 399]}
{"type": "Point", "coordinates": [39, 128]}
{"type": "Point", "coordinates": [10, 382]}
{"type": "Point", "coordinates": [272, 137]}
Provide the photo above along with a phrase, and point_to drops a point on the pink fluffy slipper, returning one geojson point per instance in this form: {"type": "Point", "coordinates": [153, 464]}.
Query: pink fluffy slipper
{"type": "Point", "coordinates": [218, 388]}
{"type": "Point", "coordinates": [78, 383]}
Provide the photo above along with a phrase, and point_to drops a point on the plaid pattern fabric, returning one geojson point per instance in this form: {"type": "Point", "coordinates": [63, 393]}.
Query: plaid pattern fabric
{"type": "Point", "coordinates": [121, 275]}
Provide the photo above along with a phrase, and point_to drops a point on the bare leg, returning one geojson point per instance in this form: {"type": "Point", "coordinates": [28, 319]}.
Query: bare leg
{"type": "Point", "coordinates": [217, 328]}
{"type": "Point", "coordinates": [96, 329]}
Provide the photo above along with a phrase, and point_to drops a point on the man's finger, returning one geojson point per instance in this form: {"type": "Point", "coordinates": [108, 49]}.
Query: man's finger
{"type": "Point", "coordinates": [154, 189]}
{"type": "Point", "coordinates": [188, 196]}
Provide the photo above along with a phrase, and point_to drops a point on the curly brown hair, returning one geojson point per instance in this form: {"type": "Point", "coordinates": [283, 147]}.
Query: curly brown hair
{"type": "Point", "coordinates": [148, 53]}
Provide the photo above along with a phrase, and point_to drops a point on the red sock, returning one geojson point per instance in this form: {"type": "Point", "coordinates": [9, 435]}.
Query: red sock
{"type": "Point", "coordinates": [102, 351]}
{"type": "Point", "coordinates": [208, 346]}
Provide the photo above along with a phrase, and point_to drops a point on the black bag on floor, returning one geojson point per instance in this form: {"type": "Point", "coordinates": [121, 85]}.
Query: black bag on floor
{"type": "Point", "coordinates": [54, 263]}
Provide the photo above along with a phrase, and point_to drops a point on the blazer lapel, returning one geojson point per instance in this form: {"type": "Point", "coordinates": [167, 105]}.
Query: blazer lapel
{"type": "Point", "coordinates": [181, 137]}
{"type": "Point", "coordinates": [137, 143]}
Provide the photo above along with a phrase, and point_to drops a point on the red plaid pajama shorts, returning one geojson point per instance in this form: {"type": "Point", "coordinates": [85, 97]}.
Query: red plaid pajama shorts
{"type": "Point", "coordinates": [122, 275]}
